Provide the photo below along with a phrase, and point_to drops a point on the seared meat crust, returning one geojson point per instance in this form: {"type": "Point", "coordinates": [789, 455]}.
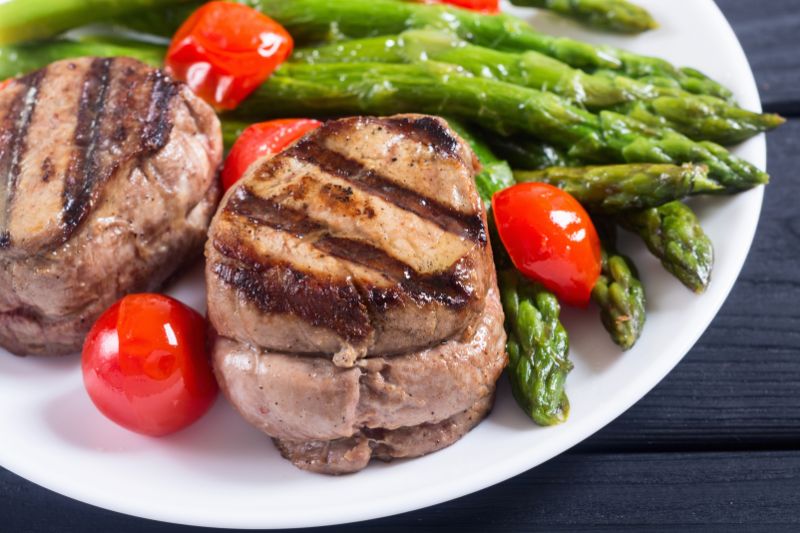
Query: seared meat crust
{"type": "Point", "coordinates": [107, 185]}
{"type": "Point", "coordinates": [365, 238]}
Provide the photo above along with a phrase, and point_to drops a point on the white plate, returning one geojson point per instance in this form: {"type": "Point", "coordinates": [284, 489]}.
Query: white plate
{"type": "Point", "coordinates": [222, 472]}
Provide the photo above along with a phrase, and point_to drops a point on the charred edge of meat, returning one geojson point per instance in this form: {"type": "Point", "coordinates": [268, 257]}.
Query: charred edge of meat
{"type": "Point", "coordinates": [276, 287]}
{"type": "Point", "coordinates": [428, 131]}
{"type": "Point", "coordinates": [159, 126]}
{"type": "Point", "coordinates": [86, 173]}
{"type": "Point", "coordinates": [310, 150]}
{"type": "Point", "coordinates": [15, 137]}
{"type": "Point", "coordinates": [83, 172]}
{"type": "Point", "coordinates": [449, 287]}
{"type": "Point", "coordinates": [266, 212]}
{"type": "Point", "coordinates": [424, 130]}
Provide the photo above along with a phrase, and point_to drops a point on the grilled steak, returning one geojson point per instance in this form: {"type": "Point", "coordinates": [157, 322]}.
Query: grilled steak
{"type": "Point", "coordinates": [107, 183]}
{"type": "Point", "coordinates": [367, 237]}
{"type": "Point", "coordinates": [397, 406]}
{"type": "Point", "coordinates": [353, 293]}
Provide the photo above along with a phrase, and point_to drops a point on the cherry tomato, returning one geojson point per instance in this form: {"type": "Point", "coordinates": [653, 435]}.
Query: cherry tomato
{"type": "Point", "coordinates": [5, 83]}
{"type": "Point", "coordinates": [550, 238]}
{"type": "Point", "coordinates": [483, 6]}
{"type": "Point", "coordinates": [262, 139]}
{"type": "Point", "coordinates": [146, 367]}
{"type": "Point", "coordinates": [224, 51]}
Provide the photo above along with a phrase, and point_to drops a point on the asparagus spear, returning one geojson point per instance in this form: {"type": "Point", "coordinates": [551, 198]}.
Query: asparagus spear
{"type": "Point", "coordinates": [504, 108]}
{"type": "Point", "coordinates": [673, 233]}
{"type": "Point", "coordinates": [231, 130]}
{"type": "Point", "coordinates": [702, 118]}
{"type": "Point", "coordinates": [23, 20]}
{"type": "Point", "coordinates": [538, 346]}
{"type": "Point", "coordinates": [622, 188]}
{"type": "Point", "coordinates": [313, 21]}
{"type": "Point", "coordinates": [537, 349]}
{"type": "Point", "coordinates": [615, 15]}
{"type": "Point", "coordinates": [529, 154]}
{"type": "Point", "coordinates": [22, 58]}
{"type": "Point", "coordinates": [618, 292]}
{"type": "Point", "coordinates": [699, 117]}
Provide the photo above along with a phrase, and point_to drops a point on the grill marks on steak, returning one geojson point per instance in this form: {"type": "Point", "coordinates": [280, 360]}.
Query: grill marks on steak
{"type": "Point", "coordinates": [13, 145]}
{"type": "Point", "coordinates": [276, 287]}
{"type": "Point", "coordinates": [469, 226]}
{"type": "Point", "coordinates": [312, 300]}
{"type": "Point", "coordinates": [108, 181]}
{"type": "Point", "coordinates": [344, 239]}
{"type": "Point", "coordinates": [112, 125]}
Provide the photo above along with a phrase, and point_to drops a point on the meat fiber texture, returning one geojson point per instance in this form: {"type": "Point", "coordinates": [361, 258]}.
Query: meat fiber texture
{"type": "Point", "coordinates": [110, 174]}
{"type": "Point", "coordinates": [352, 290]}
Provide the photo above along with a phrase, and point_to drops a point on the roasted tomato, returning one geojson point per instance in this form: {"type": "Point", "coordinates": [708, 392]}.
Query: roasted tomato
{"type": "Point", "coordinates": [146, 367]}
{"type": "Point", "coordinates": [224, 51]}
{"type": "Point", "coordinates": [550, 238]}
{"type": "Point", "coordinates": [262, 139]}
{"type": "Point", "coordinates": [484, 6]}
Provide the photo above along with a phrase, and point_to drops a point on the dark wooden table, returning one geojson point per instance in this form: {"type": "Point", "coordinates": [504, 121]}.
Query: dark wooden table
{"type": "Point", "coordinates": [715, 445]}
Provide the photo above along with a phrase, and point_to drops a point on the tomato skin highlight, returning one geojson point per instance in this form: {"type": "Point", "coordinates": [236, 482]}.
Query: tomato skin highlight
{"type": "Point", "coordinates": [482, 6]}
{"type": "Point", "coordinates": [260, 140]}
{"type": "Point", "coordinates": [550, 239]}
{"type": "Point", "coordinates": [145, 365]}
{"type": "Point", "coordinates": [224, 51]}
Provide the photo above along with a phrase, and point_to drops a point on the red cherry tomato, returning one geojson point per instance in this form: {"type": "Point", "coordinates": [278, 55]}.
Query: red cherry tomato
{"type": "Point", "coordinates": [262, 139]}
{"type": "Point", "coordinates": [550, 239]}
{"type": "Point", "coordinates": [5, 83]}
{"type": "Point", "coordinates": [483, 6]}
{"type": "Point", "coordinates": [224, 51]}
{"type": "Point", "coordinates": [145, 364]}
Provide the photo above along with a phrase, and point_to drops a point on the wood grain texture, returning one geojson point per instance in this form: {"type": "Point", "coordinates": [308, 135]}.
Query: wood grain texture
{"type": "Point", "coordinates": [768, 31]}
{"type": "Point", "coordinates": [640, 492]}
{"type": "Point", "coordinates": [739, 387]}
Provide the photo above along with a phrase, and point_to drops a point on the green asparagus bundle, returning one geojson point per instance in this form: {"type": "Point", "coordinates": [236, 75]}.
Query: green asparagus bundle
{"type": "Point", "coordinates": [618, 292]}
{"type": "Point", "coordinates": [673, 233]}
{"type": "Point", "coordinates": [524, 152]}
{"type": "Point", "coordinates": [699, 117]}
{"type": "Point", "coordinates": [615, 15]}
{"type": "Point", "coordinates": [623, 188]}
{"type": "Point", "coordinates": [299, 89]}
{"type": "Point", "coordinates": [314, 21]}
{"type": "Point", "coordinates": [22, 58]}
{"type": "Point", "coordinates": [23, 20]}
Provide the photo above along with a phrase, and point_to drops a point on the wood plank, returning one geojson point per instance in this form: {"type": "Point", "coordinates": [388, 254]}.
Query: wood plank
{"type": "Point", "coordinates": [738, 388]}
{"type": "Point", "coordinates": [768, 32]}
{"type": "Point", "coordinates": [696, 492]}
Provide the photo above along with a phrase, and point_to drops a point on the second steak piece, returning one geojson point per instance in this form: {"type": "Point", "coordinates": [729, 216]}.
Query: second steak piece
{"type": "Point", "coordinates": [367, 237]}
{"type": "Point", "coordinates": [108, 181]}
